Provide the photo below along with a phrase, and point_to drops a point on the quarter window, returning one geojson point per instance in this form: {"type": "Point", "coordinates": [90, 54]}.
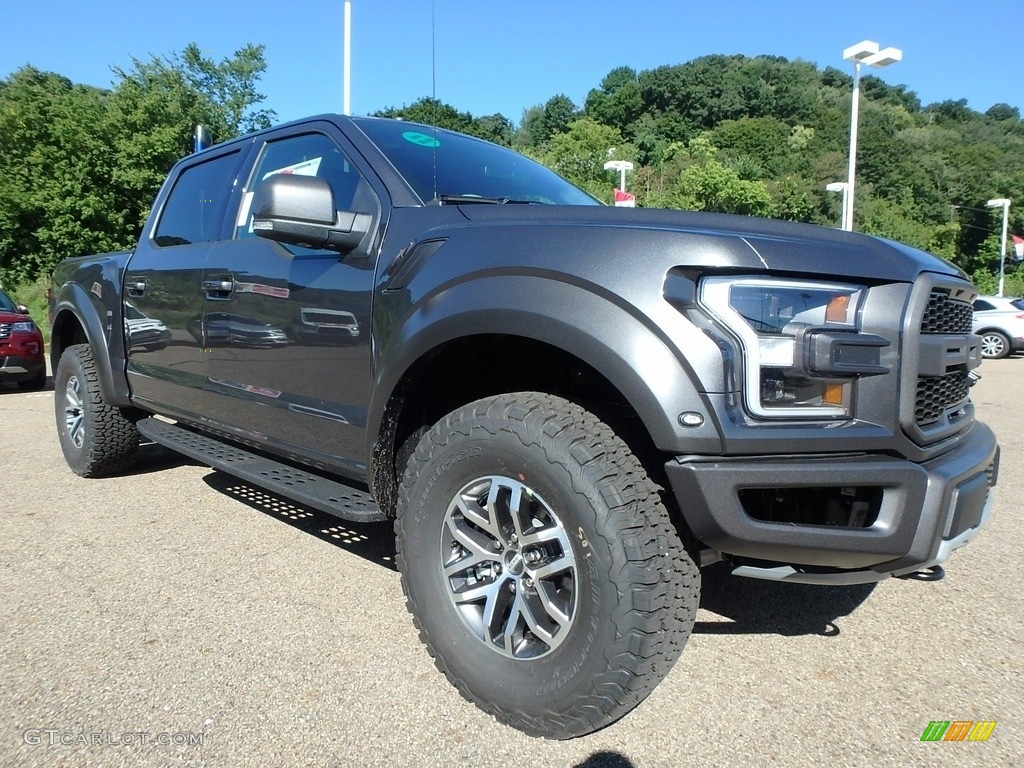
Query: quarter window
{"type": "Point", "coordinates": [194, 211]}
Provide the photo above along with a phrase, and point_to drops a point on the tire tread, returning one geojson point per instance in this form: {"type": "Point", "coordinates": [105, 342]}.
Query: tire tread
{"type": "Point", "coordinates": [654, 616]}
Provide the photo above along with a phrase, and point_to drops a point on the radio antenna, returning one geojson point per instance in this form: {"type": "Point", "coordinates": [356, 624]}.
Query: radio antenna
{"type": "Point", "coordinates": [433, 83]}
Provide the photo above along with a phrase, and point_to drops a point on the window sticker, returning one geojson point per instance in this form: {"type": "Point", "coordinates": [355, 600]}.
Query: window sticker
{"type": "Point", "coordinates": [422, 139]}
{"type": "Point", "coordinates": [304, 168]}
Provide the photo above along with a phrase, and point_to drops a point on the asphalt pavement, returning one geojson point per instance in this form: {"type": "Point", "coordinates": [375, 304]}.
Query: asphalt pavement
{"type": "Point", "coordinates": [178, 617]}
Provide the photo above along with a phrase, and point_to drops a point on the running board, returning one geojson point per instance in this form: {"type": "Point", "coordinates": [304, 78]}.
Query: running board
{"type": "Point", "coordinates": [332, 496]}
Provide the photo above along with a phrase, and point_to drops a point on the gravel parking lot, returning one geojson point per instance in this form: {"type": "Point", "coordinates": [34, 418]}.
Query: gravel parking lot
{"type": "Point", "coordinates": [176, 616]}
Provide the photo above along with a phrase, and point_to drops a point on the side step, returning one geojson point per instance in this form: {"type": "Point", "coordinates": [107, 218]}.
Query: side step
{"type": "Point", "coordinates": [315, 491]}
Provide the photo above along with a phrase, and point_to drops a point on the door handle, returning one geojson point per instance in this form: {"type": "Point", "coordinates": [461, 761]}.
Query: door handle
{"type": "Point", "coordinates": [219, 288]}
{"type": "Point", "coordinates": [136, 286]}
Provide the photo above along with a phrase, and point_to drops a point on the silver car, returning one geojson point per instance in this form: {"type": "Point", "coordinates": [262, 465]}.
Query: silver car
{"type": "Point", "coordinates": [999, 320]}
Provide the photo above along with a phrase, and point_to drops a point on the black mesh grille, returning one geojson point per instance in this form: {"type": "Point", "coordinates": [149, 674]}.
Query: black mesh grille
{"type": "Point", "coordinates": [936, 394]}
{"type": "Point", "coordinates": [946, 315]}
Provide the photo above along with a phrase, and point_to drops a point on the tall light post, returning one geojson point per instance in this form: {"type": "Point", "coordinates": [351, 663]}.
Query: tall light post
{"type": "Point", "coordinates": [1004, 203]}
{"type": "Point", "coordinates": [346, 87]}
{"type": "Point", "coordinates": [840, 186]}
{"type": "Point", "coordinates": [864, 52]}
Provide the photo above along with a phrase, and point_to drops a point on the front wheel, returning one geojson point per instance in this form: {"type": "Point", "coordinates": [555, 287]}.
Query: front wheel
{"type": "Point", "coordinates": [540, 564]}
{"type": "Point", "coordinates": [97, 439]}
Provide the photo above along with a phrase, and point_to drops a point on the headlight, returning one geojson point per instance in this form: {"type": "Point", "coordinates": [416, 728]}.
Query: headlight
{"type": "Point", "coordinates": [25, 326]}
{"type": "Point", "coordinates": [772, 319]}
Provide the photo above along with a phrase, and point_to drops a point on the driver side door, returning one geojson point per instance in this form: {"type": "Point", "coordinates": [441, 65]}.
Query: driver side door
{"type": "Point", "coordinates": [287, 332]}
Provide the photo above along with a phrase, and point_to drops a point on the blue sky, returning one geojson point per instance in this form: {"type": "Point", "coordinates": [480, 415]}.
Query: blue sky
{"type": "Point", "coordinates": [506, 56]}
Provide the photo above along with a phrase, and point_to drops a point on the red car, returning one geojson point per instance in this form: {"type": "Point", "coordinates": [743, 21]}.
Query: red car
{"type": "Point", "coordinates": [21, 346]}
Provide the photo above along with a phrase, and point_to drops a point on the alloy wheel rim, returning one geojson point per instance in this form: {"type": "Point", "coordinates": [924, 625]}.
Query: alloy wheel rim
{"type": "Point", "coordinates": [991, 346]}
{"type": "Point", "coordinates": [509, 567]}
{"type": "Point", "coordinates": [74, 421]}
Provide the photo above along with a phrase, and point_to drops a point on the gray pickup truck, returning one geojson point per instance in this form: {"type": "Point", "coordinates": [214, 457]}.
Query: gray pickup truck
{"type": "Point", "coordinates": [567, 409]}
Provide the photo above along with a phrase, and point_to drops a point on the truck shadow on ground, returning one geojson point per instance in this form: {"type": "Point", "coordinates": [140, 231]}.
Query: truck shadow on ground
{"type": "Point", "coordinates": [156, 458]}
{"type": "Point", "coordinates": [766, 607]}
{"type": "Point", "coordinates": [606, 759]}
{"type": "Point", "coordinates": [752, 606]}
{"type": "Point", "coordinates": [374, 542]}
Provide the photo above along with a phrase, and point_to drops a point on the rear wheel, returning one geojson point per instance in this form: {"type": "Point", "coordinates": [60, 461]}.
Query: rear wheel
{"type": "Point", "coordinates": [994, 344]}
{"type": "Point", "coordinates": [540, 564]}
{"type": "Point", "coordinates": [96, 437]}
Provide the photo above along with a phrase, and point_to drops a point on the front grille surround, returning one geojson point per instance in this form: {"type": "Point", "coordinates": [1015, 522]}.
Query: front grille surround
{"type": "Point", "coordinates": [935, 391]}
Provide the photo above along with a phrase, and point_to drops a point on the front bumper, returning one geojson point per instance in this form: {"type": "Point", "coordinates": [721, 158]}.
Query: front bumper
{"type": "Point", "coordinates": [17, 368]}
{"type": "Point", "coordinates": [925, 511]}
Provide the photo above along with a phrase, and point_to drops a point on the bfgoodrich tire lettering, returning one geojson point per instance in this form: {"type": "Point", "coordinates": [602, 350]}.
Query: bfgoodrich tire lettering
{"type": "Point", "coordinates": [96, 438]}
{"type": "Point", "coordinates": [508, 492]}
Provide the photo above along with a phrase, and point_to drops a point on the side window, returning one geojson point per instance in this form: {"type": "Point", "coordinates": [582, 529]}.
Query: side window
{"type": "Point", "coordinates": [195, 208]}
{"type": "Point", "coordinates": [311, 154]}
{"type": "Point", "coordinates": [980, 305]}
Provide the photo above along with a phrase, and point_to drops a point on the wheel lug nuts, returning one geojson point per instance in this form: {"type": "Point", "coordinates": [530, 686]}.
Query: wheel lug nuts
{"type": "Point", "coordinates": [511, 586]}
{"type": "Point", "coordinates": [528, 581]}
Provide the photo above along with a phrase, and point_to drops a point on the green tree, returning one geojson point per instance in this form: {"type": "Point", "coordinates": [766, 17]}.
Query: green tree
{"type": "Point", "coordinates": [431, 111]}
{"type": "Point", "coordinates": [579, 154]}
{"type": "Point", "coordinates": [80, 166]}
{"type": "Point", "coordinates": [156, 105]}
{"type": "Point", "coordinates": [711, 186]}
{"type": "Point", "coordinates": [56, 199]}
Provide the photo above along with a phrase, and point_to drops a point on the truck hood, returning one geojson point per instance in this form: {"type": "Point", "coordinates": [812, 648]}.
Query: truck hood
{"type": "Point", "coordinates": [727, 241]}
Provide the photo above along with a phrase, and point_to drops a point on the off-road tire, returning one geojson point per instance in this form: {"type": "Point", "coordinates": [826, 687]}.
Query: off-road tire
{"type": "Point", "coordinates": [636, 592]}
{"type": "Point", "coordinates": [97, 438]}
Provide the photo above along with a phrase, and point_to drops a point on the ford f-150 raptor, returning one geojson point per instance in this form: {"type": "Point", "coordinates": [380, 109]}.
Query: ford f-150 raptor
{"type": "Point", "coordinates": [566, 408]}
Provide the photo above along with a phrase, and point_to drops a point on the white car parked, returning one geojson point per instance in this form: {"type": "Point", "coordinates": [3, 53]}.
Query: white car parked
{"type": "Point", "coordinates": [999, 320]}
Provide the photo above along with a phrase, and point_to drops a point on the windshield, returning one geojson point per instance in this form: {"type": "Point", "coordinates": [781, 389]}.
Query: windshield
{"type": "Point", "coordinates": [467, 169]}
{"type": "Point", "coordinates": [6, 305]}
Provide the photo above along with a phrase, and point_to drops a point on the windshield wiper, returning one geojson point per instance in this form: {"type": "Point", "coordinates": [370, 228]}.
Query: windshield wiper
{"type": "Point", "coordinates": [474, 199]}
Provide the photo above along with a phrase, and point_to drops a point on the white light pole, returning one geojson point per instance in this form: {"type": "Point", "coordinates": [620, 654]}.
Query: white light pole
{"type": "Point", "coordinates": [1004, 203]}
{"type": "Point", "coordinates": [840, 186]}
{"type": "Point", "coordinates": [864, 52]}
{"type": "Point", "coordinates": [621, 166]}
{"type": "Point", "coordinates": [346, 88]}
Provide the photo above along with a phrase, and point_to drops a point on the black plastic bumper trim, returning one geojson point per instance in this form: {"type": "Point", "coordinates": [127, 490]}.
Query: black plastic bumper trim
{"type": "Point", "coordinates": [920, 502]}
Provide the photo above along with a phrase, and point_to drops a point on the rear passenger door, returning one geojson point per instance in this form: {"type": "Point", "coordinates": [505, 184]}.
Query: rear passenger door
{"type": "Point", "coordinates": [289, 332]}
{"type": "Point", "coordinates": [164, 299]}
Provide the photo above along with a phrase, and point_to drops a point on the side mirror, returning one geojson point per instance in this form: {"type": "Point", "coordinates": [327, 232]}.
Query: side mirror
{"type": "Point", "coordinates": [23, 309]}
{"type": "Point", "coordinates": [300, 210]}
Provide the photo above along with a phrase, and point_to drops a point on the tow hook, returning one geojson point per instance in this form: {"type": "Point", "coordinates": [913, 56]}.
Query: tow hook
{"type": "Point", "coordinates": [934, 573]}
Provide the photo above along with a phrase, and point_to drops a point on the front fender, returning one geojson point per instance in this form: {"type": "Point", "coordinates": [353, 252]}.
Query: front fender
{"type": "Point", "coordinates": [74, 305]}
{"type": "Point", "coordinates": [629, 350]}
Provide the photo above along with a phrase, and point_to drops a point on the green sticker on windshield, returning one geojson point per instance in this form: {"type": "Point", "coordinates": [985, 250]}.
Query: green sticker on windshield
{"type": "Point", "coordinates": [422, 139]}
